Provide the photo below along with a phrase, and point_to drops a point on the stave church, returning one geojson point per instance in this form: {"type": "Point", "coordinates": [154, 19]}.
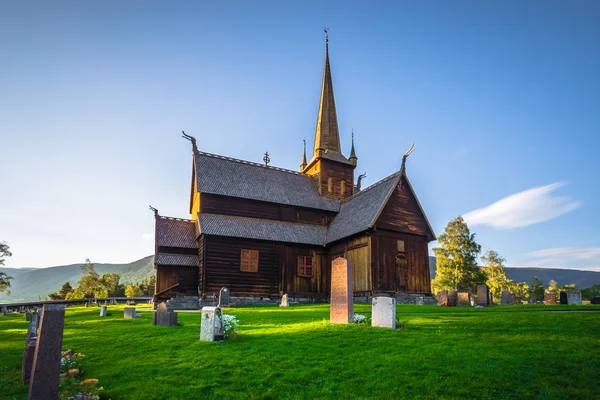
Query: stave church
{"type": "Point", "coordinates": [263, 231]}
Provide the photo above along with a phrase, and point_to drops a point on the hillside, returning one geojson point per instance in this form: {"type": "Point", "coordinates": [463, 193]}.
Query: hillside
{"type": "Point", "coordinates": [29, 283]}
{"type": "Point", "coordinates": [581, 279]}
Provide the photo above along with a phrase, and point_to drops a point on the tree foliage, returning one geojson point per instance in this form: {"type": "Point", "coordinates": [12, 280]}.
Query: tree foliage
{"type": "Point", "coordinates": [496, 274]}
{"type": "Point", "coordinates": [588, 293]}
{"type": "Point", "coordinates": [536, 290]}
{"type": "Point", "coordinates": [133, 291]}
{"type": "Point", "coordinates": [4, 277]}
{"type": "Point", "coordinates": [553, 287]}
{"type": "Point", "coordinates": [456, 259]}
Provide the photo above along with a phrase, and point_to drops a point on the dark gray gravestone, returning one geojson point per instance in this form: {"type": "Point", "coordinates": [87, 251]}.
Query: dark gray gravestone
{"type": "Point", "coordinates": [28, 316]}
{"type": "Point", "coordinates": [224, 297]}
{"type": "Point", "coordinates": [442, 298]}
{"type": "Point", "coordinates": [45, 373]}
{"type": "Point", "coordinates": [574, 298]}
{"type": "Point", "coordinates": [483, 295]}
{"type": "Point", "coordinates": [506, 297]}
{"type": "Point", "coordinates": [30, 341]}
{"type": "Point", "coordinates": [164, 316]}
{"type": "Point", "coordinates": [452, 297]}
{"type": "Point", "coordinates": [563, 298]}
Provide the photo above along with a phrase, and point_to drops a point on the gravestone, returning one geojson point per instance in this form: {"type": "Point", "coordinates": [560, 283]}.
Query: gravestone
{"type": "Point", "coordinates": [45, 372]}
{"type": "Point", "coordinates": [284, 301]}
{"type": "Point", "coordinates": [452, 297]}
{"type": "Point", "coordinates": [420, 300]}
{"type": "Point", "coordinates": [28, 316]}
{"type": "Point", "coordinates": [5, 310]}
{"type": "Point", "coordinates": [550, 298]}
{"type": "Point", "coordinates": [464, 300]}
{"type": "Point", "coordinates": [508, 298]}
{"type": "Point", "coordinates": [103, 311]}
{"type": "Point", "coordinates": [342, 292]}
{"type": "Point", "coordinates": [595, 300]}
{"type": "Point", "coordinates": [211, 326]}
{"type": "Point", "coordinates": [564, 298]}
{"type": "Point", "coordinates": [164, 316]}
{"type": "Point", "coordinates": [383, 312]}
{"type": "Point", "coordinates": [129, 312]}
{"type": "Point", "coordinates": [574, 298]}
{"type": "Point", "coordinates": [483, 295]}
{"type": "Point", "coordinates": [224, 297]}
{"type": "Point", "coordinates": [442, 298]}
{"type": "Point", "coordinates": [30, 341]}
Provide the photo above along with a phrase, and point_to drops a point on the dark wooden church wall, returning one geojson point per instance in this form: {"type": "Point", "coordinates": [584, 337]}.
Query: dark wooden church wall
{"type": "Point", "coordinates": [383, 253]}
{"type": "Point", "coordinates": [169, 275]}
{"type": "Point", "coordinates": [338, 173]}
{"type": "Point", "coordinates": [238, 207]}
{"type": "Point", "coordinates": [222, 267]}
{"type": "Point", "coordinates": [299, 285]}
{"type": "Point", "coordinates": [357, 249]}
{"type": "Point", "coordinates": [402, 213]}
{"type": "Point", "coordinates": [201, 268]}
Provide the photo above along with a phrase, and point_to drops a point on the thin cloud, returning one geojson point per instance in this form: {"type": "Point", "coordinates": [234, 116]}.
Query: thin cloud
{"type": "Point", "coordinates": [585, 258]}
{"type": "Point", "coordinates": [580, 253]}
{"type": "Point", "coordinates": [525, 208]}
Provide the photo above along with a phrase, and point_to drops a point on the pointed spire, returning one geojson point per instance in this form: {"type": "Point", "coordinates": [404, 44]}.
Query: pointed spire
{"type": "Point", "coordinates": [353, 157]}
{"type": "Point", "coordinates": [303, 165]}
{"type": "Point", "coordinates": [327, 136]}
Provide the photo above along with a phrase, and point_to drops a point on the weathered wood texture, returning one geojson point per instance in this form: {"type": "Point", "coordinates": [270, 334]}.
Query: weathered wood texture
{"type": "Point", "coordinates": [202, 263]}
{"type": "Point", "coordinates": [258, 209]}
{"type": "Point", "coordinates": [358, 251]}
{"type": "Point", "coordinates": [300, 285]}
{"type": "Point", "coordinates": [388, 274]}
{"type": "Point", "coordinates": [167, 276]}
{"type": "Point", "coordinates": [403, 214]}
{"type": "Point", "coordinates": [324, 169]}
{"type": "Point", "coordinates": [222, 267]}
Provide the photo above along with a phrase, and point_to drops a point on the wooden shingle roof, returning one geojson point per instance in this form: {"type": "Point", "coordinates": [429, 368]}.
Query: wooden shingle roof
{"type": "Point", "coordinates": [175, 232]}
{"type": "Point", "coordinates": [237, 178]}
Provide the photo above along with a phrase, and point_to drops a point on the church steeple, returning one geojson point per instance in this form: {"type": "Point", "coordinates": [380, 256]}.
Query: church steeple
{"type": "Point", "coordinates": [303, 165]}
{"type": "Point", "coordinates": [327, 136]}
{"type": "Point", "coordinates": [353, 159]}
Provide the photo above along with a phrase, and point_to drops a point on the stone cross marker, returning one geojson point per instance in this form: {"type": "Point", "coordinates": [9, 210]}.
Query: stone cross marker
{"type": "Point", "coordinates": [442, 298]}
{"type": "Point", "coordinates": [464, 300]}
{"type": "Point", "coordinates": [452, 297]}
{"type": "Point", "coordinates": [45, 372]}
{"type": "Point", "coordinates": [383, 312]}
{"type": "Point", "coordinates": [164, 316]}
{"type": "Point", "coordinates": [574, 298]}
{"type": "Point", "coordinates": [483, 295]}
{"type": "Point", "coordinates": [550, 298]}
{"type": "Point", "coordinates": [129, 312]}
{"type": "Point", "coordinates": [342, 292]}
{"type": "Point", "coordinates": [224, 297]}
{"type": "Point", "coordinates": [103, 311]}
{"type": "Point", "coordinates": [211, 326]}
{"type": "Point", "coordinates": [284, 301]}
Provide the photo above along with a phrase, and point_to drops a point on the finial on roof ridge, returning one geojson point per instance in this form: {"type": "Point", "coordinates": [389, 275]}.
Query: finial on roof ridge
{"type": "Point", "coordinates": [155, 212]}
{"type": "Point", "coordinates": [191, 139]}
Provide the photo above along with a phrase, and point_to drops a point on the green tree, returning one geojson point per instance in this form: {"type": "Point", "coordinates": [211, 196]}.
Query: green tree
{"type": "Point", "coordinates": [536, 290]}
{"type": "Point", "coordinates": [568, 288]}
{"type": "Point", "coordinates": [495, 274]}
{"type": "Point", "coordinates": [456, 259]}
{"type": "Point", "coordinates": [553, 287]}
{"type": "Point", "coordinates": [588, 293]}
{"type": "Point", "coordinates": [4, 277]}
{"type": "Point", "coordinates": [65, 289]}
{"type": "Point", "coordinates": [520, 290]}
{"type": "Point", "coordinates": [148, 285]}
{"type": "Point", "coordinates": [111, 283]}
{"type": "Point", "coordinates": [90, 284]}
{"type": "Point", "coordinates": [133, 291]}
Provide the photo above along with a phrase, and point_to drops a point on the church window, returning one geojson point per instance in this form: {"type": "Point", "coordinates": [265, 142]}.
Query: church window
{"type": "Point", "coordinates": [329, 185]}
{"type": "Point", "coordinates": [249, 260]}
{"type": "Point", "coordinates": [305, 266]}
{"type": "Point", "coordinates": [400, 245]}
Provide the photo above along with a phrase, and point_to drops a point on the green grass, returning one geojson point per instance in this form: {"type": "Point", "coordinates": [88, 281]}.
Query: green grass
{"type": "Point", "coordinates": [511, 352]}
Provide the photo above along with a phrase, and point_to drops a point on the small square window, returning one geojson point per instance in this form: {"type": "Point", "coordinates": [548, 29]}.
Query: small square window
{"type": "Point", "coordinates": [305, 266]}
{"type": "Point", "coordinates": [249, 260]}
{"type": "Point", "coordinates": [400, 245]}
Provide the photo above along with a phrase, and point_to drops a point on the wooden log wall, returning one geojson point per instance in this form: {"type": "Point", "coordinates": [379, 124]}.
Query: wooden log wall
{"type": "Point", "coordinates": [169, 275]}
{"type": "Point", "coordinates": [222, 267]}
{"type": "Point", "coordinates": [402, 213]}
{"type": "Point", "coordinates": [305, 286]}
{"type": "Point", "coordinates": [258, 209]}
{"type": "Point", "coordinates": [324, 169]}
{"type": "Point", "coordinates": [387, 276]}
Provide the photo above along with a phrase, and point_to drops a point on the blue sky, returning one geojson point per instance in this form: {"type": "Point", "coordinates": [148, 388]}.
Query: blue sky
{"type": "Point", "coordinates": [501, 99]}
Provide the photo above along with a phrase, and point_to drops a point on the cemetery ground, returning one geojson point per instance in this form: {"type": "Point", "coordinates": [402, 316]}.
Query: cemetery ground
{"type": "Point", "coordinates": [525, 352]}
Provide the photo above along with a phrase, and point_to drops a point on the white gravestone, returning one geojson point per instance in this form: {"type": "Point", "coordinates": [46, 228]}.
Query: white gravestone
{"type": "Point", "coordinates": [384, 312]}
{"type": "Point", "coordinates": [284, 301]}
{"type": "Point", "coordinates": [574, 298]}
{"type": "Point", "coordinates": [103, 311]}
{"type": "Point", "coordinates": [211, 326]}
{"type": "Point", "coordinates": [129, 312]}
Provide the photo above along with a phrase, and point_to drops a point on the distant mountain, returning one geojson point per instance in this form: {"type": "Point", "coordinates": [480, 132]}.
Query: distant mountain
{"type": "Point", "coordinates": [29, 283]}
{"type": "Point", "coordinates": [581, 279]}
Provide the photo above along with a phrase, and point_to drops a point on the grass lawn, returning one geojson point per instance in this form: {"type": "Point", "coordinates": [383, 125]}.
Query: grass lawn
{"type": "Point", "coordinates": [516, 352]}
